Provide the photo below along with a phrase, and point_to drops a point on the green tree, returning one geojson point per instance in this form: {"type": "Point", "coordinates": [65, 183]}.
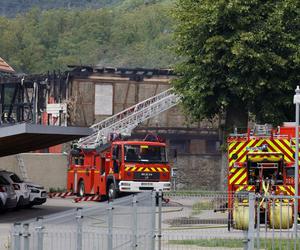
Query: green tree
{"type": "Point", "coordinates": [239, 57]}
{"type": "Point", "coordinates": [142, 37]}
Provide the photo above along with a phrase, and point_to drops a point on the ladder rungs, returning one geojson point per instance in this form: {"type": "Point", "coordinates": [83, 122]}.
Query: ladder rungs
{"type": "Point", "coordinates": [130, 118]}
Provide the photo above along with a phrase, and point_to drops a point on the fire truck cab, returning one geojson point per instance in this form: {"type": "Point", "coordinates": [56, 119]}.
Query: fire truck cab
{"type": "Point", "coordinates": [119, 166]}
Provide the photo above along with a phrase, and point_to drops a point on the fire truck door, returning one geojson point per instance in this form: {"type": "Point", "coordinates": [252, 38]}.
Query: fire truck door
{"type": "Point", "coordinates": [102, 185]}
{"type": "Point", "coordinates": [92, 178]}
{"type": "Point", "coordinates": [75, 182]}
{"type": "Point", "coordinates": [117, 158]}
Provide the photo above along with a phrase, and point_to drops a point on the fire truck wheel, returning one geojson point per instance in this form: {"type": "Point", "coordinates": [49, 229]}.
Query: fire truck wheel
{"type": "Point", "coordinates": [281, 217]}
{"type": "Point", "coordinates": [112, 192]}
{"type": "Point", "coordinates": [81, 189]}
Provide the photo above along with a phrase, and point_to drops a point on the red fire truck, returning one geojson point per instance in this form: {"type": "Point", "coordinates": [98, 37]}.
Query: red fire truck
{"type": "Point", "coordinates": [103, 164]}
{"type": "Point", "coordinates": [261, 161]}
{"type": "Point", "coordinates": [119, 166]}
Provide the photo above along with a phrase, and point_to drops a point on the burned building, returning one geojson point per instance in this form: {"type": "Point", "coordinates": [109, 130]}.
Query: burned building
{"type": "Point", "coordinates": [30, 98]}
{"type": "Point", "coordinates": [85, 95]}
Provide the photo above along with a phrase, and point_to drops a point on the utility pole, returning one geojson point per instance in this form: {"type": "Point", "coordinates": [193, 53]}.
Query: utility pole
{"type": "Point", "coordinates": [296, 102]}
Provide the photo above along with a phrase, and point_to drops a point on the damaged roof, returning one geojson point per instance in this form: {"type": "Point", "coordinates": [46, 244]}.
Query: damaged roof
{"type": "Point", "coordinates": [4, 67]}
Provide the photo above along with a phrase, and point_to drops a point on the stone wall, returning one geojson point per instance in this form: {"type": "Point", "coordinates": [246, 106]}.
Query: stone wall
{"type": "Point", "coordinates": [198, 172]}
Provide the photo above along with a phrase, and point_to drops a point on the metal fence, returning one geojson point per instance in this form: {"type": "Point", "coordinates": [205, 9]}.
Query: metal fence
{"type": "Point", "coordinates": [205, 221]}
{"type": "Point", "coordinates": [177, 221]}
{"type": "Point", "coordinates": [199, 220]}
{"type": "Point", "coordinates": [273, 226]}
{"type": "Point", "coordinates": [127, 223]}
{"type": "Point", "coordinates": [5, 237]}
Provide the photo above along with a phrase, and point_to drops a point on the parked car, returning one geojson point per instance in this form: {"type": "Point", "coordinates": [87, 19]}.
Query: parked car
{"type": "Point", "coordinates": [19, 186]}
{"type": "Point", "coordinates": [38, 195]}
{"type": "Point", "coordinates": [8, 197]}
{"type": "Point", "coordinates": [3, 194]}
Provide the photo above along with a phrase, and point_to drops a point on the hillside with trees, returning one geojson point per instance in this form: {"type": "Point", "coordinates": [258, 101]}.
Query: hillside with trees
{"type": "Point", "coordinates": [10, 8]}
{"type": "Point", "coordinates": [131, 34]}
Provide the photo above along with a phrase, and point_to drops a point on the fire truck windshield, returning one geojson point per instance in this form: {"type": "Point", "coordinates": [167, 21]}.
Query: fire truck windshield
{"type": "Point", "coordinates": [145, 154]}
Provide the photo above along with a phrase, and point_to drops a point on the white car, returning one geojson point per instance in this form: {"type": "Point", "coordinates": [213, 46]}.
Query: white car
{"type": "Point", "coordinates": [3, 193]}
{"type": "Point", "coordinates": [8, 197]}
{"type": "Point", "coordinates": [19, 186]}
{"type": "Point", "coordinates": [3, 198]}
{"type": "Point", "coordinates": [38, 195]}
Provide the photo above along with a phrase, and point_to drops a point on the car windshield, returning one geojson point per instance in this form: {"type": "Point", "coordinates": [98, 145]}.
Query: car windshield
{"type": "Point", "coordinates": [16, 178]}
{"type": "Point", "coordinates": [145, 154]}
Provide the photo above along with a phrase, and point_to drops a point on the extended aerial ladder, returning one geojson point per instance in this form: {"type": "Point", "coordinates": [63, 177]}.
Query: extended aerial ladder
{"type": "Point", "coordinates": [22, 167]}
{"type": "Point", "coordinates": [128, 119]}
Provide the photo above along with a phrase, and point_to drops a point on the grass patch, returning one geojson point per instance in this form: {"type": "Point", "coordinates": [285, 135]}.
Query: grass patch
{"type": "Point", "coordinates": [210, 243]}
{"type": "Point", "coordinates": [237, 243]}
{"type": "Point", "coordinates": [194, 192]}
{"type": "Point", "coordinates": [198, 207]}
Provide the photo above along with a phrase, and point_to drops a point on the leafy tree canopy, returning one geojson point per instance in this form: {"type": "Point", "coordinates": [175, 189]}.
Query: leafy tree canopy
{"type": "Point", "coordinates": [239, 56]}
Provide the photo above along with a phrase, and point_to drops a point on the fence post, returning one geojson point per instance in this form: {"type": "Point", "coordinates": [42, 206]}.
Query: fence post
{"type": "Point", "coordinates": [110, 227]}
{"type": "Point", "coordinates": [153, 219]}
{"type": "Point", "coordinates": [258, 199]}
{"type": "Point", "coordinates": [79, 228]}
{"type": "Point", "coordinates": [17, 236]}
{"type": "Point", "coordinates": [159, 235]}
{"type": "Point", "coordinates": [134, 222]}
{"type": "Point", "coordinates": [26, 236]}
{"type": "Point", "coordinates": [250, 241]}
{"type": "Point", "coordinates": [39, 229]}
